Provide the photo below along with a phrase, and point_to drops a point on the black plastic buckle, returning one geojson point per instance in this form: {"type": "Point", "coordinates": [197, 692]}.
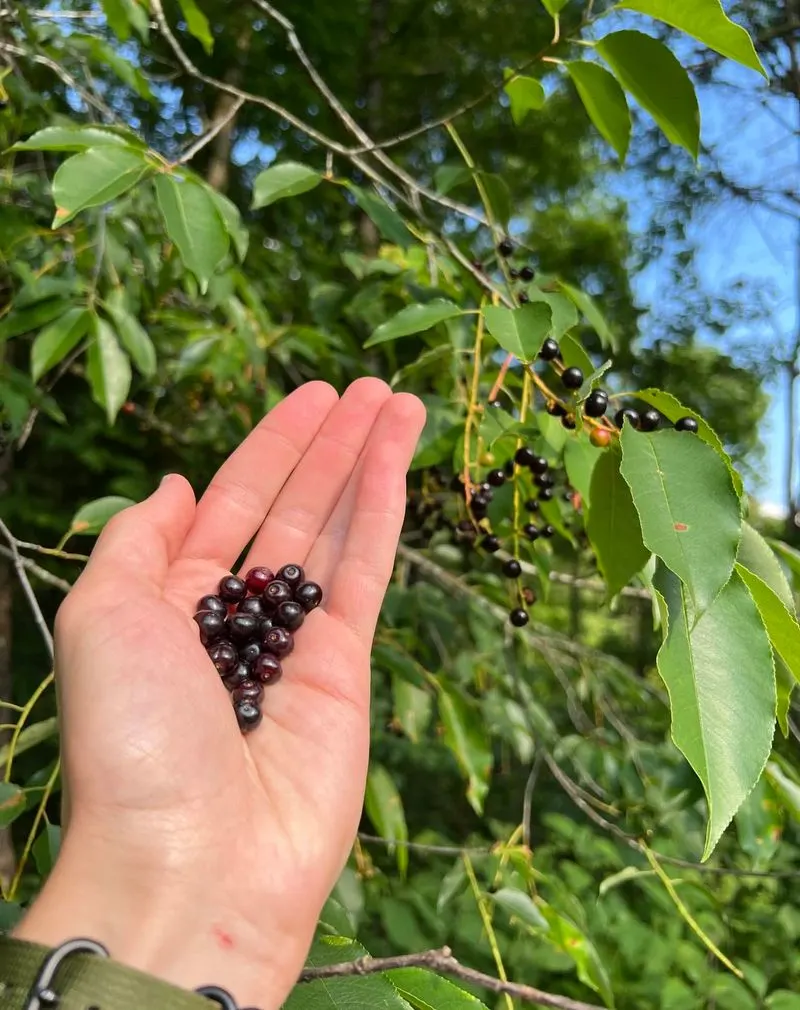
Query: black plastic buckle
{"type": "Point", "coordinates": [220, 996]}
{"type": "Point", "coordinates": [42, 996]}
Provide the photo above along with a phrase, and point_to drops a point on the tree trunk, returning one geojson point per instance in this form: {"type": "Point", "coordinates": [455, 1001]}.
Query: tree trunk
{"type": "Point", "coordinates": [218, 173]}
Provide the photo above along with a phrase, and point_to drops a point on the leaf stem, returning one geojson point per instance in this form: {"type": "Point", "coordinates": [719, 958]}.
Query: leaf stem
{"type": "Point", "coordinates": [487, 924]}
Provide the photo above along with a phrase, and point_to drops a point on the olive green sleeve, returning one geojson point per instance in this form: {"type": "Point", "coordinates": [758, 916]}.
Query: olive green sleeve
{"type": "Point", "coordinates": [84, 981]}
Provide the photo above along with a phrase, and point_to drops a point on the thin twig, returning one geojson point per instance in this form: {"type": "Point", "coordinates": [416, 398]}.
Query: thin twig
{"type": "Point", "coordinates": [22, 575]}
{"type": "Point", "coordinates": [60, 72]}
{"type": "Point", "coordinates": [216, 128]}
{"type": "Point", "coordinates": [40, 573]}
{"type": "Point", "coordinates": [442, 961]}
{"type": "Point", "coordinates": [51, 551]}
{"type": "Point", "coordinates": [430, 850]}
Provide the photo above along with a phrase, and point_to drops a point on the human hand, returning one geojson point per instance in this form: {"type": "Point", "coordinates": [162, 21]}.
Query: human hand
{"type": "Point", "coordinates": [193, 852]}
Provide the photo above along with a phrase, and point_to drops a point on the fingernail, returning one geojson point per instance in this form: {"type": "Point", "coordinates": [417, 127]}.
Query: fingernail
{"type": "Point", "coordinates": [166, 477]}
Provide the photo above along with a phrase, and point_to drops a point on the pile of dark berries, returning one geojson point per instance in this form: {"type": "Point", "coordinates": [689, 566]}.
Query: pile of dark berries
{"type": "Point", "coordinates": [248, 628]}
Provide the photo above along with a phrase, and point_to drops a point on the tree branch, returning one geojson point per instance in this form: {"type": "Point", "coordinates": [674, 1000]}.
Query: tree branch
{"type": "Point", "coordinates": [442, 961]}
{"type": "Point", "coordinates": [40, 573]}
{"type": "Point", "coordinates": [22, 575]}
{"type": "Point", "coordinates": [216, 128]}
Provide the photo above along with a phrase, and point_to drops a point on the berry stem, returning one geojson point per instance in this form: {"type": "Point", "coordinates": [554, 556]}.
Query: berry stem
{"type": "Point", "coordinates": [472, 407]}
{"type": "Point", "coordinates": [527, 393]}
{"type": "Point", "coordinates": [501, 378]}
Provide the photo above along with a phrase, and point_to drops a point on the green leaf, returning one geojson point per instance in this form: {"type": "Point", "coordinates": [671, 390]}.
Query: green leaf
{"type": "Point", "coordinates": [613, 525]}
{"type": "Point", "coordinates": [385, 218]}
{"type": "Point", "coordinates": [553, 7]}
{"type": "Point", "coordinates": [788, 555]}
{"type": "Point", "coordinates": [565, 315]}
{"type": "Point", "coordinates": [55, 342]}
{"type": "Point", "coordinates": [755, 554]}
{"type": "Point", "coordinates": [706, 21]}
{"type": "Point", "coordinates": [425, 990]}
{"type": "Point", "coordinates": [33, 318]}
{"type": "Point", "coordinates": [580, 459]}
{"type": "Point", "coordinates": [497, 424]}
{"type": "Point", "coordinates": [413, 707]}
{"type": "Point", "coordinates": [594, 317]}
{"type": "Point", "coordinates": [674, 410]}
{"type": "Point", "coordinates": [12, 803]}
{"type": "Point", "coordinates": [117, 18]}
{"type": "Point", "coordinates": [46, 848]}
{"type": "Point", "coordinates": [781, 625]}
{"type": "Point", "coordinates": [77, 138]}
{"type": "Point", "coordinates": [719, 673]}
{"type": "Point", "coordinates": [384, 807]}
{"type": "Point", "coordinates": [649, 71]}
{"type": "Point", "coordinates": [232, 219]}
{"type": "Point", "coordinates": [453, 883]}
{"type": "Point", "coordinates": [44, 288]}
{"type": "Point", "coordinates": [194, 224]}
{"type": "Point", "coordinates": [93, 178]}
{"type": "Point", "coordinates": [786, 788]}
{"type": "Point", "coordinates": [283, 181]}
{"type": "Point", "coordinates": [109, 58]}
{"type": "Point", "coordinates": [31, 737]}
{"type": "Point", "coordinates": [447, 177]}
{"type": "Point", "coordinates": [526, 94]}
{"type": "Point", "coordinates": [520, 332]}
{"type": "Point", "coordinates": [132, 335]}
{"type": "Point", "coordinates": [465, 735]}
{"type": "Point", "coordinates": [521, 906]}
{"type": "Point", "coordinates": [687, 506]}
{"type": "Point", "coordinates": [197, 24]}
{"type": "Point", "coordinates": [352, 992]}
{"type": "Point", "coordinates": [499, 196]}
{"type": "Point", "coordinates": [759, 824]}
{"type": "Point", "coordinates": [565, 936]}
{"type": "Point", "coordinates": [574, 354]}
{"type": "Point", "coordinates": [92, 517]}
{"type": "Point", "coordinates": [414, 319]}
{"type": "Point", "coordinates": [108, 370]}
{"type": "Point", "coordinates": [605, 102]}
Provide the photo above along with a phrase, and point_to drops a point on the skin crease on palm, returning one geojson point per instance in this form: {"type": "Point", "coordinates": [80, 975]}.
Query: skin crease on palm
{"type": "Point", "coordinates": [196, 853]}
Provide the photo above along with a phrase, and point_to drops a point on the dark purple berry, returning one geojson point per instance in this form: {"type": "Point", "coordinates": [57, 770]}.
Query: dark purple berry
{"type": "Point", "coordinates": [550, 350]}
{"type": "Point", "coordinates": [279, 642]}
{"type": "Point", "coordinates": [257, 580]}
{"type": "Point", "coordinates": [289, 615]}
{"type": "Point", "coordinates": [491, 544]}
{"type": "Point", "coordinates": [572, 378]}
{"type": "Point", "coordinates": [531, 531]}
{"type": "Point", "coordinates": [649, 421]}
{"type": "Point", "coordinates": [267, 669]}
{"type": "Point", "coordinates": [538, 466]}
{"type": "Point", "coordinates": [248, 715]}
{"type": "Point", "coordinates": [241, 673]}
{"type": "Point", "coordinates": [483, 498]}
{"type": "Point", "coordinates": [242, 627]}
{"type": "Point", "coordinates": [512, 569]}
{"type": "Point", "coordinates": [629, 415]}
{"type": "Point", "coordinates": [532, 505]}
{"type": "Point", "coordinates": [231, 589]}
{"type": "Point", "coordinates": [264, 625]}
{"type": "Point", "coordinates": [687, 424]}
{"type": "Point", "coordinates": [513, 273]}
{"type": "Point", "coordinates": [544, 480]}
{"type": "Point", "coordinates": [211, 625]}
{"type": "Point", "coordinates": [495, 478]}
{"type": "Point", "coordinates": [249, 653]}
{"type": "Point", "coordinates": [596, 403]}
{"type": "Point", "coordinates": [292, 574]}
{"type": "Point", "coordinates": [252, 605]}
{"type": "Point", "coordinates": [546, 494]}
{"type": "Point", "coordinates": [548, 532]}
{"type": "Point", "coordinates": [224, 657]}
{"type": "Point", "coordinates": [568, 421]}
{"type": "Point", "coordinates": [506, 248]}
{"type": "Point", "coordinates": [519, 617]}
{"type": "Point", "coordinates": [249, 690]}
{"type": "Point", "coordinates": [509, 468]}
{"type": "Point", "coordinates": [526, 274]}
{"type": "Point", "coordinates": [523, 297]}
{"type": "Point", "coordinates": [213, 603]}
{"type": "Point", "coordinates": [556, 409]}
{"type": "Point", "coordinates": [525, 456]}
{"type": "Point", "coordinates": [309, 594]}
{"type": "Point", "coordinates": [276, 593]}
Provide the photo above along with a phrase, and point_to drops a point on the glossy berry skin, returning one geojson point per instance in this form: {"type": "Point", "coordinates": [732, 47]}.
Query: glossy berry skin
{"type": "Point", "coordinates": [649, 421]}
{"type": "Point", "coordinates": [267, 669]}
{"type": "Point", "coordinates": [232, 590]}
{"type": "Point", "coordinates": [483, 498]}
{"type": "Point", "coordinates": [544, 480]}
{"type": "Point", "coordinates": [629, 415]}
{"type": "Point", "coordinates": [572, 378]}
{"type": "Point", "coordinates": [519, 617]}
{"type": "Point", "coordinates": [546, 494]}
{"type": "Point", "coordinates": [275, 594]}
{"type": "Point", "coordinates": [526, 274]}
{"type": "Point", "coordinates": [224, 657]}
{"type": "Point", "coordinates": [248, 715]}
{"type": "Point", "coordinates": [257, 580]}
{"type": "Point", "coordinates": [568, 421]}
{"type": "Point", "coordinates": [531, 531]}
{"type": "Point", "coordinates": [556, 409]}
{"type": "Point", "coordinates": [293, 575]}
{"type": "Point", "coordinates": [249, 653]}
{"type": "Point", "coordinates": [532, 505]}
{"type": "Point", "coordinates": [309, 594]}
{"type": "Point", "coordinates": [509, 468]}
{"type": "Point", "coordinates": [242, 627]}
{"type": "Point", "coordinates": [213, 603]}
{"type": "Point", "coordinates": [512, 569]}
{"type": "Point", "coordinates": [250, 690]}
{"type": "Point", "coordinates": [279, 642]}
{"type": "Point", "coordinates": [490, 544]}
{"type": "Point", "coordinates": [506, 248]}
{"type": "Point", "coordinates": [496, 478]}
{"type": "Point", "coordinates": [211, 625]}
{"type": "Point", "coordinates": [264, 624]}
{"type": "Point", "coordinates": [548, 532]}
{"type": "Point", "coordinates": [550, 350]}
{"type": "Point", "coordinates": [538, 466]}
{"type": "Point", "coordinates": [513, 273]}
{"type": "Point", "coordinates": [252, 605]}
{"type": "Point", "coordinates": [240, 674]}
{"type": "Point", "coordinates": [523, 298]}
{"type": "Point", "coordinates": [525, 456]}
{"type": "Point", "coordinates": [596, 403]}
{"type": "Point", "coordinates": [687, 424]}
{"type": "Point", "coordinates": [289, 615]}
{"type": "Point", "coordinates": [600, 438]}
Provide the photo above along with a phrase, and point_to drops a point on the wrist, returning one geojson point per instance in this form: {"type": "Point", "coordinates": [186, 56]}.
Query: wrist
{"type": "Point", "coordinates": [159, 923]}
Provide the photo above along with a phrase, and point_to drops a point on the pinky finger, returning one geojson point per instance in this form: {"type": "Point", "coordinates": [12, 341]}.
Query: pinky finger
{"type": "Point", "coordinates": [368, 552]}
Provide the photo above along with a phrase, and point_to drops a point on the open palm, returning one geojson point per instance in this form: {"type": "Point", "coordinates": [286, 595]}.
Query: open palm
{"type": "Point", "coordinates": [156, 768]}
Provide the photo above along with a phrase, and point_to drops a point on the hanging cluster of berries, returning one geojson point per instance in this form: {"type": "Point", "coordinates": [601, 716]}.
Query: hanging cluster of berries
{"type": "Point", "coordinates": [247, 629]}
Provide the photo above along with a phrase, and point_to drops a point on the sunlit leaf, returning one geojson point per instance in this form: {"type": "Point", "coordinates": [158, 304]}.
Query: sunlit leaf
{"type": "Point", "coordinates": [194, 224]}
{"type": "Point", "coordinates": [93, 178]}
{"type": "Point", "coordinates": [384, 807]}
{"type": "Point", "coordinates": [414, 319]}
{"type": "Point", "coordinates": [385, 218]}
{"type": "Point", "coordinates": [92, 517]}
{"type": "Point", "coordinates": [525, 94]}
{"type": "Point", "coordinates": [465, 735]}
{"type": "Point", "coordinates": [520, 332]}
{"type": "Point", "coordinates": [605, 102]}
{"type": "Point", "coordinates": [197, 24]}
{"type": "Point", "coordinates": [55, 342]}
